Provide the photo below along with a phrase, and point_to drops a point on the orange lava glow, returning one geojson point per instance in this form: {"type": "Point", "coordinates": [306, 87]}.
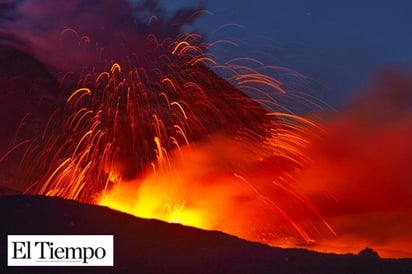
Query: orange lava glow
{"type": "Point", "coordinates": [353, 193]}
{"type": "Point", "coordinates": [223, 184]}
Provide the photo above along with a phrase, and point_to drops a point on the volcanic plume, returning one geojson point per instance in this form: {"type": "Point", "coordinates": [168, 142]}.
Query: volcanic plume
{"type": "Point", "coordinates": [139, 119]}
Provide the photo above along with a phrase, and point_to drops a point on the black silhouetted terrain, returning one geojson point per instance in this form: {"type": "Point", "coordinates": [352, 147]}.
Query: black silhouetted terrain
{"type": "Point", "coordinates": [151, 246]}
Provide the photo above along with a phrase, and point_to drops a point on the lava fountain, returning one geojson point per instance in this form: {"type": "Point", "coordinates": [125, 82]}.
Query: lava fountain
{"type": "Point", "coordinates": [150, 128]}
{"type": "Point", "coordinates": [179, 144]}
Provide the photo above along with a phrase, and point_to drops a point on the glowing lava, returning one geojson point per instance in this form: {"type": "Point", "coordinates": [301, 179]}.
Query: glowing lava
{"type": "Point", "coordinates": [180, 144]}
{"type": "Point", "coordinates": [224, 184]}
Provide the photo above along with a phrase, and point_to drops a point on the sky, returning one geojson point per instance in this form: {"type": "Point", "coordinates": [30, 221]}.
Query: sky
{"type": "Point", "coordinates": [337, 45]}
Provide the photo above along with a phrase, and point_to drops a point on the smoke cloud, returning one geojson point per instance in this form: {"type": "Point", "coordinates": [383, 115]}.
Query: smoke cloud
{"type": "Point", "coordinates": [360, 175]}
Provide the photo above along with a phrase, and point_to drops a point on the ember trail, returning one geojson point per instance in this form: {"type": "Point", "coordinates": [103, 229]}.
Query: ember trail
{"type": "Point", "coordinates": [151, 129]}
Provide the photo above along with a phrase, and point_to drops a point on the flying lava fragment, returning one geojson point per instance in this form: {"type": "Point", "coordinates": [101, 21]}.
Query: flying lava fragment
{"type": "Point", "coordinates": [148, 122]}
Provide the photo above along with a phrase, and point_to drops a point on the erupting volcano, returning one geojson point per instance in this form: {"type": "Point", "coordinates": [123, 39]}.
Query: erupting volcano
{"type": "Point", "coordinates": [142, 118]}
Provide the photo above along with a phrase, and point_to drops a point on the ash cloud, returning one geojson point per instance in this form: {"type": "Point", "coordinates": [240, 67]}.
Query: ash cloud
{"type": "Point", "coordinates": [71, 35]}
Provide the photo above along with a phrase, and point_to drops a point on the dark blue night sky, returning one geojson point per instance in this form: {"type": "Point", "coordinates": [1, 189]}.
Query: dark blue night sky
{"type": "Point", "coordinates": [337, 44]}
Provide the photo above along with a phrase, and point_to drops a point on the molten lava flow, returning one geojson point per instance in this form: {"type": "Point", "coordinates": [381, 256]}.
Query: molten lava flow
{"type": "Point", "coordinates": [223, 184]}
